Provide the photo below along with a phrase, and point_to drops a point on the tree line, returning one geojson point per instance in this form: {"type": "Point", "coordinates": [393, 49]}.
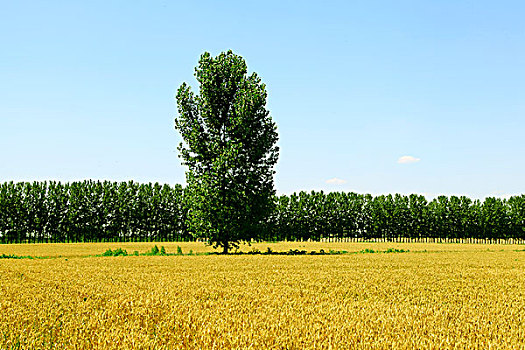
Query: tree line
{"type": "Point", "coordinates": [91, 211]}
{"type": "Point", "coordinates": [319, 215]}
{"type": "Point", "coordinates": [96, 211]}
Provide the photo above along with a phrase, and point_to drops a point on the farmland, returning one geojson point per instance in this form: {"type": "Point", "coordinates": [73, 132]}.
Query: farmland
{"type": "Point", "coordinates": [425, 296]}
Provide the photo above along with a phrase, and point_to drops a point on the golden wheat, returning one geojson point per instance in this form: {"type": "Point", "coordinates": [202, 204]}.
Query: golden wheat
{"type": "Point", "coordinates": [451, 296]}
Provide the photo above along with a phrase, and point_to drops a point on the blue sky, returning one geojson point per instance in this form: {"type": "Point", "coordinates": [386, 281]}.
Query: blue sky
{"type": "Point", "coordinates": [87, 90]}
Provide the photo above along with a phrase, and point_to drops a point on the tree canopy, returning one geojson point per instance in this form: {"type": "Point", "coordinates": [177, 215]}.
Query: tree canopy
{"type": "Point", "coordinates": [229, 147]}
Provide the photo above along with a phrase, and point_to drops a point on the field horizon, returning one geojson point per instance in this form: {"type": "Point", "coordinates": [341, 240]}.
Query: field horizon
{"type": "Point", "coordinates": [70, 250]}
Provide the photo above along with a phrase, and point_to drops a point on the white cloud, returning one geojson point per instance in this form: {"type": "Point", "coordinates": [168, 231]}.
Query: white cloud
{"type": "Point", "coordinates": [408, 160]}
{"type": "Point", "coordinates": [335, 181]}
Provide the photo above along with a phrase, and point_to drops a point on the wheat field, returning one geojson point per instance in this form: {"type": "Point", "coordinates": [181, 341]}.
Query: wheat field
{"type": "Point", "coordinates": [436, 296]}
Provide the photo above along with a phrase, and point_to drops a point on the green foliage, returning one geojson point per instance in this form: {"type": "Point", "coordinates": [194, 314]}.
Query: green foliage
{"type": "Point", "coordinates": [389, 250]}
{"type": "Point", "coordinates": [229, 147]}
{"type": "Point", "coordinates": [296, 252]}
{"type": "Point", "coordinates": [116, 252]}
{"type": "Point", "coordinates": [91, 211]}
{"type": "Point", "coordinates": [154, 250]}
{"type": "Point", "coordinates": [12, 256]}
{"type": "Point", "coordinates": [256, 251]}
{"type": "Point", "coordinates": [316, 216]}
{"type": "Point", "coordinates": [367, 251]}
{"type": "Point", "coordinates": [179, 250]}
{"type": "Point", "coordinates": [121, 252]}
{"type": "Point", "coordinates": [108, 252]}
{"type": "Point", "coordinates": [394, 250]}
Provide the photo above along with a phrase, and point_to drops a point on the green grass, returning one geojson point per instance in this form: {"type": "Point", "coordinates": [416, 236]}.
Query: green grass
{"type": "Point", "coordinates": [12, 256]}
{"type": "Point", "coordinates": [155, 251]}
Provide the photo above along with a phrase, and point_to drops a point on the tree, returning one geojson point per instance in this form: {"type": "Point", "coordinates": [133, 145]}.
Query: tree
{"type": "Point", "coordinates": [229, 147]}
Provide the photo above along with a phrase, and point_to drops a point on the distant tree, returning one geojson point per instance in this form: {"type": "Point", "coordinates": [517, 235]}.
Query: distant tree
{"type": "Point", "coordinates": [229, 147]}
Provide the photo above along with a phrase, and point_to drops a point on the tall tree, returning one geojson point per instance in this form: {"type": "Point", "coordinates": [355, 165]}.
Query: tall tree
{"type": "Point", "coordinates": [229, 147]}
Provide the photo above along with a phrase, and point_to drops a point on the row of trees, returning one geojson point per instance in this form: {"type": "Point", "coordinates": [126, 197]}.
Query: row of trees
{"type": "Point", "coordinates": [317, 215]}
{"type": "Point", "coordinates": [93, 211]}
